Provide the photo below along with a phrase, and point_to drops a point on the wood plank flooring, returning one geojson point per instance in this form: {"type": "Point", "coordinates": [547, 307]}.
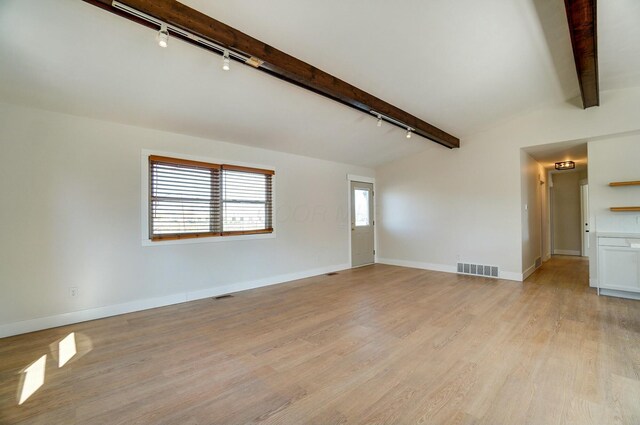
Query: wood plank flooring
{"type": "Point", "coordinates": [374, 345]}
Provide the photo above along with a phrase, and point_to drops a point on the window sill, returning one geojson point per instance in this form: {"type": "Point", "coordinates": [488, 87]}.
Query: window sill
{"type": "Point", "coordinates": [210, 239]}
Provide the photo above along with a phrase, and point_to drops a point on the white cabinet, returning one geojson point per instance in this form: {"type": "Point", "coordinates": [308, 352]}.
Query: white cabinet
{"type": "Point", "coordinates": [619, 262]}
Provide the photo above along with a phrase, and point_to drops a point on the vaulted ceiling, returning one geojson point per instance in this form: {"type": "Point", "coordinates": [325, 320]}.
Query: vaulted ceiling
{"type": "Point", "coordinates": [462, 66]}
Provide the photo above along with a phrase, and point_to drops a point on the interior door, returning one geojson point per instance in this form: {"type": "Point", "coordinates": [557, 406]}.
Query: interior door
{"type": "Point", "coordinates": [362, 224]}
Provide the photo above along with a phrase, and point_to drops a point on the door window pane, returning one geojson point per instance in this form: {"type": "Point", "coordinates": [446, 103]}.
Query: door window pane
{"type": "Point", "coordinates": [361, 200]}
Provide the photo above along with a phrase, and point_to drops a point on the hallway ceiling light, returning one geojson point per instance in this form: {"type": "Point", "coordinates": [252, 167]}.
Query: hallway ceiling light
{"type": "Point", "coordinates": [565, 165]}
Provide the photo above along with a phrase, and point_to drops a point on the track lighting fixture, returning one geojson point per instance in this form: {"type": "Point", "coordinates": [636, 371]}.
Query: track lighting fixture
{"type": "Point", "coordinates": [163, 36]}
{"type": "Point", "coordinates": [382, 117]}
{"type": "Point", "coordinates": [197, 29]}
{"type": "Point", "coordinates": [225, 60]}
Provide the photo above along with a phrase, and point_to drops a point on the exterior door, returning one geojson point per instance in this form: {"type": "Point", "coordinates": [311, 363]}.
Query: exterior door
{"type": "Point", "coordinates": [362, 224]}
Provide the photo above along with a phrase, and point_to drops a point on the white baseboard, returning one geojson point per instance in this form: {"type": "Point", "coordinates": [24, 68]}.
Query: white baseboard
{"type": "Point", "coordinates": [442, 268]}
{"type": "Point", "coordinates": [274, 280]}
{"type": "Point", "coordinates": [620, 294]}
{"type": "Point", "coordinates": [529, 272]}
{"type": "Point", "coordinates": [567, 252]}
{"type": "Point", "coordinates": [418, 265]}
{"type": "Point", "coordinates": [40, 323]}
{"type": "Point", "coordinates": [63, 319]}
{"type": "Point", "coordinates": [516, 277]}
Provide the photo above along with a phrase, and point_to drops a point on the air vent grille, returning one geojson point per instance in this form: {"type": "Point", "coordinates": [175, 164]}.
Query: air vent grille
{"type": "Point", "coordinates": [478, 270]}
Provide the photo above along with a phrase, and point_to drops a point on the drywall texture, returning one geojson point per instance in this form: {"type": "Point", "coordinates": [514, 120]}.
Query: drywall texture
{"type": "Point", "coordinates": [71, 217]}
{"type": "Point", "coordinates": [441, 205]}
{"type": "Point", "coordinates": [567, 229]}
{"type": "Point", "coordinates": [533, 195]}
{"type": "Point", "coordinates": [610, 160]}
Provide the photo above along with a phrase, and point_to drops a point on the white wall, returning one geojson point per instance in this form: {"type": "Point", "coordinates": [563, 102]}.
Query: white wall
{"type": "Point", "coordinates": [71, 217]}
{"type": "Point", "coordinates": [533, 195]}
{"type": "Point", "coordinates": [546, 216]}
{"type": "Point", "coordinates": [441, 205]}
{"type": "Point", "coordinates": [610, 160]}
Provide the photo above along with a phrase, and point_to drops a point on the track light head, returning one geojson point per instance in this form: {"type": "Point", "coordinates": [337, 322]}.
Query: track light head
{"type": "Point", "coordinates": [225, 61]}
{"type": "Point", "coordinates": [163, 36]}
{"type": "Point", "coordinates": [379, 124]}
{"type": "Point", "coordinates": [408, 133]}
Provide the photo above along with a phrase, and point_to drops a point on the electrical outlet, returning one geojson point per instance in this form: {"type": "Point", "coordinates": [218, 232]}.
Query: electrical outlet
{"type": "Point", "coordinates": [73, 291]}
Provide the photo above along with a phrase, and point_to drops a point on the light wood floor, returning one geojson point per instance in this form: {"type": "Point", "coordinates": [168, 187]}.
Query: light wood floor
{"type": "Point", "coordinates": [374, 345]}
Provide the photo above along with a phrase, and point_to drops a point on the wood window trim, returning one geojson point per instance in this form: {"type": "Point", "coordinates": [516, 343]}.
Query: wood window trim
{"type": "Point", "coordinates": [247, 232]}
{"type": "Point", "coordinates": [186, 162]}
{"type": "Point", "coordinates": [200, 164]}
{"type": "Point", "coordinates": [180, 236]}
{"type": "Point", "coordinates": [229, 167]}
{"type": "Point", "coordinates": [206, 165]}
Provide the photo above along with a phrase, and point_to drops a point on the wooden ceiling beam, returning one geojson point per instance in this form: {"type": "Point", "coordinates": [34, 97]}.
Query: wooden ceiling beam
{"type": "Point", "coordinates": [582, 18]}
{"type": "Point", "coordinates": [276, 62]}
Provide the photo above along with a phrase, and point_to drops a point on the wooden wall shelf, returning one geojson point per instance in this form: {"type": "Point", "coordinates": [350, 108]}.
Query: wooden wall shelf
{"type": "Point", "coordinates": [625, 209]}
{"type": "Point", "coordinates": [634, 183]}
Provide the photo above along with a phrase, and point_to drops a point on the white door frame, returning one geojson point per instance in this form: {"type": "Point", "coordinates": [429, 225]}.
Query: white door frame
{"type": "Point", "coordinates": [362, 179]}
{"type": "Point", "coordinates": [550, 207]}
{"type": "Point", "coordinates": [584, 216]}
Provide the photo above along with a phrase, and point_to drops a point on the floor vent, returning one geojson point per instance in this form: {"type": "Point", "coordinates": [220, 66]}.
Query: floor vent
{"type": "Point", "coordinates": [478, 270]}
{"type": "Point", "coordinates": [221, 297]}
{"type": "Point", "coordinates": [332, 274]}
{"type": "Point", "coordinates": [538, 262]}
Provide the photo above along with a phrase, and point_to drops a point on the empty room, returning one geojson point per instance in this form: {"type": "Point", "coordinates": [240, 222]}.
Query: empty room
{"type": "Point", "coordinates": [339, 212]}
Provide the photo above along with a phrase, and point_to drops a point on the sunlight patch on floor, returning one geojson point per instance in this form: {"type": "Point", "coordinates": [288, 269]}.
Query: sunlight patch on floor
{"type": "Point", "coordinates": [32, 379]}
{"type": "Point", "coordinates": [66, 349]}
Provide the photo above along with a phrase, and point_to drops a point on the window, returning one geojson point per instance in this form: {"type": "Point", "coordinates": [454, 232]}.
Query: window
{"type": "Point", "coordinates": [190, 199]}
{"type": "Point", "coordinates": [361, 199]}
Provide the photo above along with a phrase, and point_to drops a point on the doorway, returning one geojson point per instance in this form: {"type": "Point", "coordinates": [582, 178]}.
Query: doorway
{"type": "Point", "coordinates": [569, 212]}
{"type": "Point", "coordinates": [554, 196]}
{"type": "Point", "coordinates": [362, 224]}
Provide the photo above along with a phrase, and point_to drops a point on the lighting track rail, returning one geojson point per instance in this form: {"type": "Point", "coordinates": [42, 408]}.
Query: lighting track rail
{"type": "Point", "coordinates": [170, 17]}
{"type": "Point", "coordinates": [391, 120]}
{"type": "Point", "coordinates": [186, 34]}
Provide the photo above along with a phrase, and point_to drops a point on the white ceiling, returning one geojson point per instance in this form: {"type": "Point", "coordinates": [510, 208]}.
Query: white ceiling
{"type": "Point", "coordinates": [619, 44]}
{"type": "Point", "coordinates": [461, 65]}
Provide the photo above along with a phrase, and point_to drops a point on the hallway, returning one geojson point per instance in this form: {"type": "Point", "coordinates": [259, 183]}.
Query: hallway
{"type": "Point", "coordinates": [564, 272]}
